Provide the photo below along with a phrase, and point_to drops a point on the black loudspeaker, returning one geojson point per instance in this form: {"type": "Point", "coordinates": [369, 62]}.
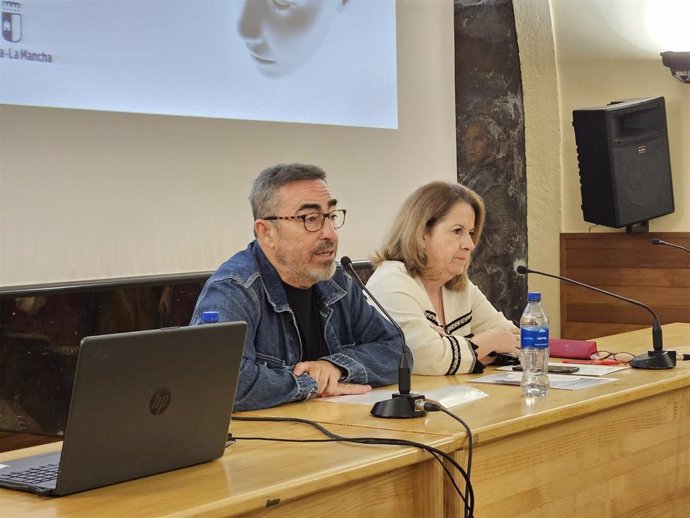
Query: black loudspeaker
{"type": "Point", "coordinates": [625, 168]}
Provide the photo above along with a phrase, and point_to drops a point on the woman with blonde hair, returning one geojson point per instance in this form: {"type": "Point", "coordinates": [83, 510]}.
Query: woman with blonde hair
{"type": "Point", "coordinates": [421, 279]}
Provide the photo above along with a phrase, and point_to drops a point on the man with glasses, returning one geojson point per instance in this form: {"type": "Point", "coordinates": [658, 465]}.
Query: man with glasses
{"type": "Point", "coordinates": [310, 331]}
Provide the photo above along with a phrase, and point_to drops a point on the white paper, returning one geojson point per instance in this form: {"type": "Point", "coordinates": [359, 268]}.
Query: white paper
{"type": "Point", "coordinates": [557, 381]}
{"type": "Point", "coordinates": [447, 396]}
{"type": "Point", "coordinates": [585, 369]}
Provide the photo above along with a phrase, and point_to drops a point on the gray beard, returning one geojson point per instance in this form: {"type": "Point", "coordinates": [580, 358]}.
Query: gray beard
{"type": "Point", "coordinates": [309, 277]}
{"type": "Point", "coordinates": [323, 274]}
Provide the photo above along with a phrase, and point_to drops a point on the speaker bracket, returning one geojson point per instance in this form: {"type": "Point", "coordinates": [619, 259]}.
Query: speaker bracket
{"type": "Point", "coordinates": [637, 228]}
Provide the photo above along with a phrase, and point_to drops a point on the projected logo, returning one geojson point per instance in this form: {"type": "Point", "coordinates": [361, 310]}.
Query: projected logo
{"type": "Point", "coordinates": [11, 21]}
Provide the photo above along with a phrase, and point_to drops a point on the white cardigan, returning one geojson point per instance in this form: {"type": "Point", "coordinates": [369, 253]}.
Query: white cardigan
{"type": "Point", "coordinates": [467, 312]}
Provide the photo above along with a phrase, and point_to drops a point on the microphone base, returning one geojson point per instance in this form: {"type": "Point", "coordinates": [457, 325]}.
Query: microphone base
{"type": "Point", "coordinates": [654, 360]}
{"type": "Point", "coordinates": [400, 406]}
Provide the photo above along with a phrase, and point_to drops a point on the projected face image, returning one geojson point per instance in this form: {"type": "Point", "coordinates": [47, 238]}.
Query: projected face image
{"type": "Point", "coordinates": [281, 35]}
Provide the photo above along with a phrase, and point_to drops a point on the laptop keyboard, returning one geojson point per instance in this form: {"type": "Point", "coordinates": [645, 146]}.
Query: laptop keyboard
{"type": "Point", "coordinates": [35, 475]}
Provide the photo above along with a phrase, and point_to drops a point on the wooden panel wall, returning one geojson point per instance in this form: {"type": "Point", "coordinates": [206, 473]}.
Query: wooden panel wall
{"type": "Point", "coordinates": [629, 265]}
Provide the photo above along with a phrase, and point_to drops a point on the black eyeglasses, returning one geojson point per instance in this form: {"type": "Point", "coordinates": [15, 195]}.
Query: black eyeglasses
{"type": "Point", "coordinates": [622, 357]}
{"type": "Point", "coordinates": [314, 221]}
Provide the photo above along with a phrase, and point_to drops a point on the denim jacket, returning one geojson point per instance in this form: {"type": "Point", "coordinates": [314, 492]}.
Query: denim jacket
{"type": "Point", "coordinates": [247, 287]}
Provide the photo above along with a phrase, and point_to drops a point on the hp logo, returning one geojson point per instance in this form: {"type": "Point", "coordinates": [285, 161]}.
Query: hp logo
{"type": "Point", "coordinates": [160, 401]}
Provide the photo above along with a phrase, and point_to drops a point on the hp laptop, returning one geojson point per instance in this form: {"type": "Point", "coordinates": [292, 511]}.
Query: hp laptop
{"type": "Point", "coordinates": [142, 403]}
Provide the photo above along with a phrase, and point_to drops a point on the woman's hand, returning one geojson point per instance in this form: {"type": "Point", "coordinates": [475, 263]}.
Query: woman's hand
{"type": "Point", "coordinates": [438, 329]}
{"type": "Point", "coordinates": [505, 341]}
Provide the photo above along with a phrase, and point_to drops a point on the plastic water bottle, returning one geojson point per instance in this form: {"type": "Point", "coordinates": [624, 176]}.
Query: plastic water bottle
{"type": "Point", "coordinates": [209, 317]}
{"type": "Point", "coordinates": [534, 343]}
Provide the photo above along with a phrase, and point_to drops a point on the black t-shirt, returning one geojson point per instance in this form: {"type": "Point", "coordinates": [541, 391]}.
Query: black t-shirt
{"type": "Point", "coordinates": [305, 307]}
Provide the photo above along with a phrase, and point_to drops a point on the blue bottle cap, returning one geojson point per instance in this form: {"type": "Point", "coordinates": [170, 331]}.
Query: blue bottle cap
{"type": "Point", "coordinates": [209, 317]}
{"type": "Point", "coordinates": [534, 296]}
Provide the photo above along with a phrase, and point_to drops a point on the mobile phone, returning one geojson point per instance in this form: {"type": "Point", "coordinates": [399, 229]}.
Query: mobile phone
{"type": "Point", "coordinates": [505, 359]}
{"type": "Point", "coordinates": [556, 369]}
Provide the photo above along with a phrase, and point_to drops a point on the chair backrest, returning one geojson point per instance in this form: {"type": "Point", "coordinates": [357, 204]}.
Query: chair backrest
{"type": "Point", "coordinates": [364, 269]}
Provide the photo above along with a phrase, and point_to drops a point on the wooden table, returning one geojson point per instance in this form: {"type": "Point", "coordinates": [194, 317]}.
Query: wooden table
{"type": "Point", "coordinates": [617, 450]}
{"type": "Point", "coordinates": [267, 479]}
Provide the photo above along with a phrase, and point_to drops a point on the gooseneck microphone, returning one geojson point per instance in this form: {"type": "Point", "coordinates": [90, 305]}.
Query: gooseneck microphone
{"type": "Point", "coordinates": [403, 404]}
{"type": "Point", "coordinates": [656, 241]}
{"type": "Point", "coordinates": [657, 358]}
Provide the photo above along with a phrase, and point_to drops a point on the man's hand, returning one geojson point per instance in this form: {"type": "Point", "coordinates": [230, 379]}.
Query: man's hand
{"type": "Point", "coordinates": [327, 375]}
